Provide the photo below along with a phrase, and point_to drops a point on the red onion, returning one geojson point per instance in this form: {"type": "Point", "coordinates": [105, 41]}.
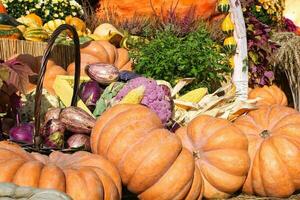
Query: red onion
{"type": "Point", "coordinates": [22, 133]}
{"type": "Point", "coordinates": [90, 92]}
{"type": "Point", "coordinates": [53, 133]}
{"type": "Point", "coordinates": [78, 141]}
{"type": "Point", "coordinates": [52, 113]}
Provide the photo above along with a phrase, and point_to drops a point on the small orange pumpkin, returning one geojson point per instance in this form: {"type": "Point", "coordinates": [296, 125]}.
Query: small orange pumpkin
{"type": "Point", "coordinates": [103, 52]}
{"type": "Point", "coordinates": [269, 95]}
{"type": "Point", "coordinates": [220, 152]}
{"type": "Point", "coordinates": [81, 175]}
{"type": "Point", "coordinates": [273, 133]}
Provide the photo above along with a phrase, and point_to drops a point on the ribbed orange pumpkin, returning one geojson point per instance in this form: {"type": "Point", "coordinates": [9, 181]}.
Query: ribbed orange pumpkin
{"type": "Point", "coordinates": [150, 159]}
{"type": "Point", "coordinates": [103, 52]}
{"type": "Point", "coordinates": [128, 8]}
{"type": "Point", "coordinates": [81, 175]}
{"type": "Point", "coordinates": [269, 95]}
{"type": "Point", "coordinates": [274, 146]}
{"type": "Point", "coordinates": [220, 152]}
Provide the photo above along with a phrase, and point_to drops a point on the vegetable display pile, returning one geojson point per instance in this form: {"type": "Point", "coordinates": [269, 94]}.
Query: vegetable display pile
{"type": "Point", "coordinates": [155, 109]}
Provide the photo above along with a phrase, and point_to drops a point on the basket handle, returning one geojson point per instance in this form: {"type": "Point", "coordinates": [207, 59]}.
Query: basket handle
{"type": "Point", "coordinates": [39, 87]}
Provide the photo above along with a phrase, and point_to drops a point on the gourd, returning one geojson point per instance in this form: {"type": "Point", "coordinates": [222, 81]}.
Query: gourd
{"type": "Point", "coordinates": [220, 152]}
{"type": "Point", "coordinates": [129, 8]}
{"type": "Point", "coordinates": [273, 133]}
{"type": "Point", "coordinates": [151, 160]}
{"type": "Point", "coordinates": [35, 34]}
{"type": "Point", "coordinates": [7, 31]}
{"type": "Point", "coordinates": [269, 95]}
{"type": "Point", "coordinates": [230, 44]}
{"type": "Point", "coordinates": [223, 6]}
{"type": "Point", "coordinates": [50, 26]}
{"type": "Point", "coordinates": [81, 175]}
{"type": "Point", "coordinates": [77, 23]}
{"type": "Point", "coordinates": [103, 52]}
{"type": "Point", "coordinates": [227, 25]}
{"type": "Point", "coordinates": [31, 20]}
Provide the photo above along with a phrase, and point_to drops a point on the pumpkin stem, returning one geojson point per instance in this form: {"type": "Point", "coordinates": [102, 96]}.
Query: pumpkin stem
{"type": "Point", "coordinates": [265, 134]}
{"type": "Point", "coordinates": [196, 155]}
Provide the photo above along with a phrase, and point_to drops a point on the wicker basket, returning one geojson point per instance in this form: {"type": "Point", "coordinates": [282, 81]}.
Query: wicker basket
{"type": "Point", "coordinates": [37, 141]}
{"type": "Point", "coordinates": [63, 55]}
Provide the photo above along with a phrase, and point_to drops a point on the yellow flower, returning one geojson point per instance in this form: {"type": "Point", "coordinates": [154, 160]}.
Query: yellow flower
{"type": "Point", "coordinates": [258, 8]}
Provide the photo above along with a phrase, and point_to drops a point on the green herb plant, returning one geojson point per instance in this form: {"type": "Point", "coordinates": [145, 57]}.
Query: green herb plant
{"type": "Point", "coordinates": [169, 57]}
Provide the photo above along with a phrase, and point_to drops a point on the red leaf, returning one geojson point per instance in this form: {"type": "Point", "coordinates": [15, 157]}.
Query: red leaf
{"type": "Point", "coordinates": [19, 75]}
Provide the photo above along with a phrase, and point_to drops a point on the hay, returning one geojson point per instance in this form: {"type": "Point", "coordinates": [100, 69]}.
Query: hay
{"type": "Point", "coordinates": [62, 55]}
{"type": "Point", "coordinates": [288, 61]}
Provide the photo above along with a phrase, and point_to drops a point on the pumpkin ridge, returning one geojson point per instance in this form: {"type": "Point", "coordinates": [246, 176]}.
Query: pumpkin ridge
{"type": "Point", "coordinates": [259, 157]}
{"type": "Point", "coordinates": [208, 178]}
{"type": "Point", "coordinates": [126, 133]}
{"type": "Point", "coordinates": [166, 168]}
{"type": "Point", "coordinates": [276, 126]}
{"type": "Point", "coordinates": [205, 161]}
{"type": "Point", "coordinates": [281, 161]}
{"type": "Point", "coordinates": [111, 180]}
{"type": "Point", "coordinates": [95, 135]}
{"type": "Point", "coordinates": [147, 135]}
{"type": "Point", "coordinates": [110, 123]}
{"type": "Point", "coordinates": [131, 123]}
{"type": "Point", "coordinates": [200, 132]}
{"type": "Point", "coordinates": [142, 139]}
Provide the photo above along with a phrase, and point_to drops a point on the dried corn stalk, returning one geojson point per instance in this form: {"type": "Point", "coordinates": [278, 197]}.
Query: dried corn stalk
{"type": "Point", "coordinates": [226, 106]}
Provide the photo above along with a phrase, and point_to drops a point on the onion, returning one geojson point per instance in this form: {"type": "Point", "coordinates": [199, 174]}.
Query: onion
{"type": "Point", "coordinates": [53, 133]}
{"type": "Point", "coordinates": [78, 141]}
{"type": "Point", "coordinates": [90, 92]}
{"type": "Point", "coordinates": [52, 113]}
{"type": "Point", "coordinates": [22, 133]}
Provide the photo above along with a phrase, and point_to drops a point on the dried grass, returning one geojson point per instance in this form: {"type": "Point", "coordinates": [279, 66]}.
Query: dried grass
{"type": "Point", "coordinates": [288, 61]}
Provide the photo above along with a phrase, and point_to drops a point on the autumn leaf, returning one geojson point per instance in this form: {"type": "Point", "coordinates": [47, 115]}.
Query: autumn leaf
{"type": "Point", "coordinates": [18, 74]}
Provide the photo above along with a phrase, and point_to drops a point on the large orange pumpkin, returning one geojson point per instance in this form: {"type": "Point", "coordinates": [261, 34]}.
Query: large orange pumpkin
{"type": "Point", "coordinates": [220, 152]}
{"type": "Point", "coordinates": [103, 52]}
{"type": "Point", "coordinates": [150, 159]}
{"type": "Point", "coordinates": [269, 95]}
{"type": "Point", "coordinates": [128, 8]}
{"type": "Point", "coordinates": [274, 147]}
{"type": "Point", "coordinates": [81, 175]}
